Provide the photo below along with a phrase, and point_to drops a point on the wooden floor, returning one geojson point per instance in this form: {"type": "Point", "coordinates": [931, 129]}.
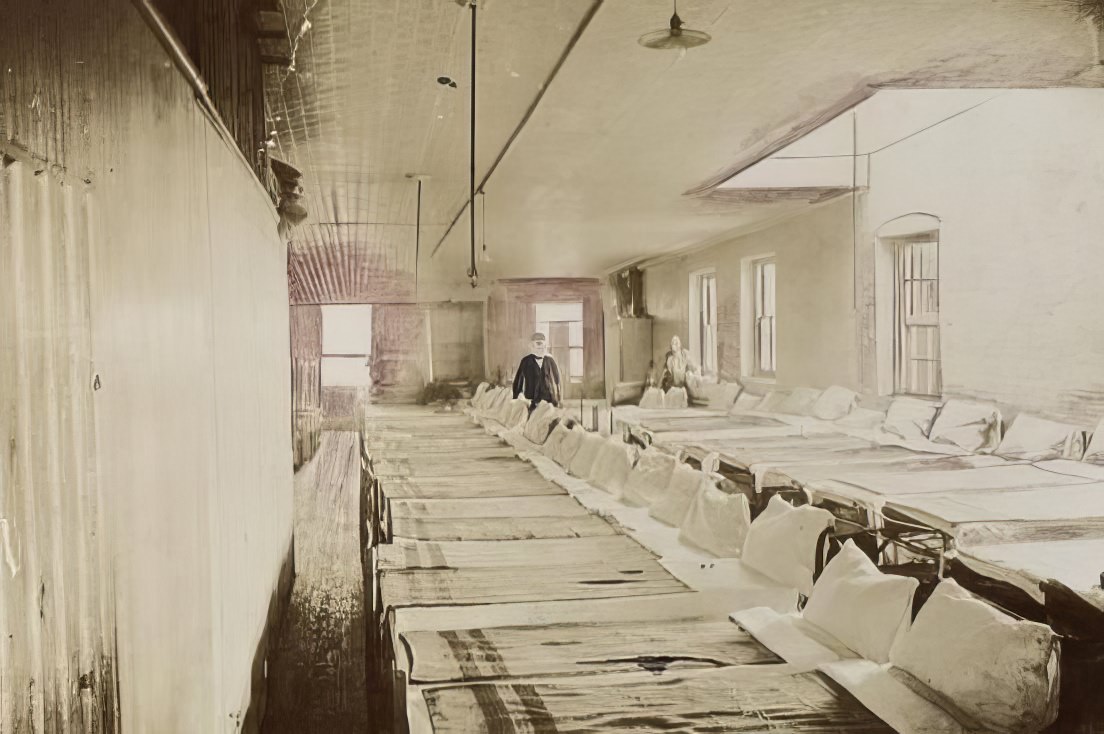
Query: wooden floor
{"type": "Point", "coordinates": [317, 674]}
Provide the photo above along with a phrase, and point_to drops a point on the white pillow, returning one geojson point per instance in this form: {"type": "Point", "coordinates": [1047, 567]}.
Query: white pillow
{"type": "Point", "coordinates": [487, 398]}
{"type": "Point", "coordinates": [516, 414]}
{"type": "Point", "coordinates": [555, 439]}
{"type": "Point", "coordinates": [500, 398]}
{"type": "Point", "coordinates": [859, 605]}
{"type": "Point", "coordinates": [648, 478]}
{"type": "Point", "coordinates": [612, 467]}
{"type": "Point", "coordinates": [800, 401]}
{"type": "Point", "coordinates": [729, 392]}
{"type": "Point", "coordinates": [970, 426]}
{"type": "Point", "coordinates": [502, 413]}
{"type": "Point", "coordinates": [569, 446]}
{"type": "Point", "coordinates": [745, 401]}
{"type": "Point", "coordinates": [539, 424]}
{"type": "Point", "coordinates": [717, 522]}
{"type": "Point", "coordinates": [835, 403]}
{"type": "Point", "coordinates": [676, 398]}
{"type": "Point", "coordinates": [781, 543]}
{"type": "Point", "coordinates": [583, 461]}
{"type": "Point", "coordinates": [910, 418]}
{"type": "Point", "coordinates": [771, 401]}
{"type": "Point", "coordinates": [672, 505]}
{"type": "Point", "coordinates": [862, 418]}
{"type": "Point", "coordinates": [999, 671]}
{"type": "Point", "coordinates": [652, 398]}
{"type": "Point", "coordinates": [479, 390]}
{"type": "Point", "coordinates": [1094, 452]}
{"type": "Point", "coordinates": [1037, 439]}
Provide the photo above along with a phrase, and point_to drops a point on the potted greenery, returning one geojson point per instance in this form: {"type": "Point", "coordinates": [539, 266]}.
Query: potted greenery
{"type": "Point", "coordinates": [439, 392]}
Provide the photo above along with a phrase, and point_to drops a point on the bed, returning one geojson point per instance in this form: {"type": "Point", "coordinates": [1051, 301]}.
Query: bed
{"type": "Point", "coordinates": [504, 528]}
{"type": "Point", "coordinates": [468, 655]}
{"type": "Point", "coordinates": [452, 488]}
{"type": "Point", "coordinates": [731, 699]}
{"type": "Point", "coordinates": [500, 585]}
{"type": "Point", "coordinates": [1076, 563]}
{"type": "Point", "coordinates": [614, 551]}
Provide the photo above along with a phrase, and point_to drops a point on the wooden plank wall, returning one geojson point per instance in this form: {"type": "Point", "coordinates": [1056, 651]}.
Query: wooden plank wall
{"type": "Point", "coordinates": [456, 340]}
{"type": "Point", "coordinates": [179, 464]}
{"type": "Point", "coordinates": [57, 617]}
{"type": "Point", "coordinates": [220, 38]}
{"type": "Point", "coordinates": [306, 381]}
{"type": "Point", "coordinates": [511, 319]}
{"type": "Point", "coordinates": [398, 353]}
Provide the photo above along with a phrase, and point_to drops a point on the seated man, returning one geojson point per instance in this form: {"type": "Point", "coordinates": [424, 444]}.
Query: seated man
{"type": "Point", "coordinates": [538, 377]}
{"type": "Point", "coordinates": [678, 369]}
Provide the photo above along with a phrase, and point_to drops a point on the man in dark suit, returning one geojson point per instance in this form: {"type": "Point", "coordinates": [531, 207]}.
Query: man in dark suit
{"type": "Point", "coordinates": [538, 377]}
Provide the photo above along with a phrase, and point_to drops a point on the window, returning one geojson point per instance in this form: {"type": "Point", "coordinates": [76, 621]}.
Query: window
{"type": "Point", "coordinates": [916, 305]}
{"type": "Point", "coordinates": [764, 329]}
{"type": "Point", "coordinates": [562, 323]}
{"type": "Point", "coordinates": [703, 321]}
{"type": "Point", "coordinates": [346, 345]}
{"type": "Point", "coordinates": [707, 320]}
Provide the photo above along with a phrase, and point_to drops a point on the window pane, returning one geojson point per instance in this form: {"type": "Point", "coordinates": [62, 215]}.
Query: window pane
{"type": "Point", "coordinates": [576, 369]}
{"type": "Point", "coordinates": [345, 371]}
{"type": "Point", "coordinates": [559, 311]}
{"type": "Point", "coordinates": [768, 289]}
{"type": "Point", "coordinates": [917, 333]}
{"type": "Point", "coordinates": [347, 329]}
{"type": "Point", "coordinates": [575, 333]}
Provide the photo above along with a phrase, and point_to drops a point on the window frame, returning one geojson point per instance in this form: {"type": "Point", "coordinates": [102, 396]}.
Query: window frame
{"type": "Point", "coordinates": [906, 322]}
{"type": "Point", "coordinates": [759, 315]}
{"type": "Point", "coordinates": [566, 373]}
{"type": "Point", "coordinates": [326, 357]}
{"type": "Point", "coordinates": [695, 326]}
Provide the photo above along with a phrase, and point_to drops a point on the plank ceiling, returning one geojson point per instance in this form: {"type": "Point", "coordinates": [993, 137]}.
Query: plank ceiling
{"type": "Point", "coordinates": [600, 172]}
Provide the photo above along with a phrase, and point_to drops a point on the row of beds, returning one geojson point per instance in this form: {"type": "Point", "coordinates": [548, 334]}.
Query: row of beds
{"type": "Point", "coordinates": [501, 603]}
{"type": "Point", "coordinates": [1034, 523]}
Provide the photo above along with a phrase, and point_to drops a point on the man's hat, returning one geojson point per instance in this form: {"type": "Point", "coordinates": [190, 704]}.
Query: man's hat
{"type": "Point", "coordinates": [538, 337]}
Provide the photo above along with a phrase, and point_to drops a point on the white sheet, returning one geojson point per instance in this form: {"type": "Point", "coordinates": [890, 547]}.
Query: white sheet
{"type": "Point", "coordinates": [891, 700]}
{"type": "Point", "coordinates": [788, 637]}
{"type": "Point", "coordinates": [1077, 563]}
{"type": "Point", "coordinates": [949, 510]}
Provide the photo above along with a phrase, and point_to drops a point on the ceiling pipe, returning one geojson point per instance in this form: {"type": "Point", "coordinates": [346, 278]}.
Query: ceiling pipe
{"type": "Point", "coordinates": [179, 57]}
{"type": "Point", "coordinates": [420, 178]}
{"type": "Point", "coordinates": [473, 272]}
{"type": "Point", "coordinates": [583, 24]}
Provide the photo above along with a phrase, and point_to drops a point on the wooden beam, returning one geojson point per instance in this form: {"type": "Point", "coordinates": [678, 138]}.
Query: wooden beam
{"type": "Point", "coordinates": [269, 24]}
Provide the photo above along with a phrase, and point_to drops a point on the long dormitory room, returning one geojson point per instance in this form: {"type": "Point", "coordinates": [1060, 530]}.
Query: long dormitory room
{"type": "Point", "coordinates": [447, 366]}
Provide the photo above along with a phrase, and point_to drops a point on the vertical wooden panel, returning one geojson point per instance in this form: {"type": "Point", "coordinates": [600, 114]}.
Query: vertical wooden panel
{"type": "Point", "coordinates": [306, 368]}
{"type": "Point", "coordinates": [398, 353]}
{"type": "Point", "coordinates": [57, 620]}
{"type": "Point", "coordinates": [162, 541]}
{"type": "Point", "coordinates": [218, 36]}
{"type": "Point", "coordinates": [457, 340]}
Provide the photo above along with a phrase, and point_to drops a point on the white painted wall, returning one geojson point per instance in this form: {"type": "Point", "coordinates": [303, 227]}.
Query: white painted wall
{"type": "Point", "coordinates": [816, 337]}
{"type": "Point", "coordinates": [1018, 184]}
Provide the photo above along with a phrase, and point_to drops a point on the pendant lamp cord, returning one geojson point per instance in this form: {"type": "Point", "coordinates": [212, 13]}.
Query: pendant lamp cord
{"type": "Point", "coordinates": [473, 273]}
{"type": "Point", "coordinates": [417, 238]}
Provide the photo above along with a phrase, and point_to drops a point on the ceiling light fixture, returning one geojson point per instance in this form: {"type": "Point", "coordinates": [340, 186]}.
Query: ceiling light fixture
{"type": "Point", "coordinates": [675, 36]}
